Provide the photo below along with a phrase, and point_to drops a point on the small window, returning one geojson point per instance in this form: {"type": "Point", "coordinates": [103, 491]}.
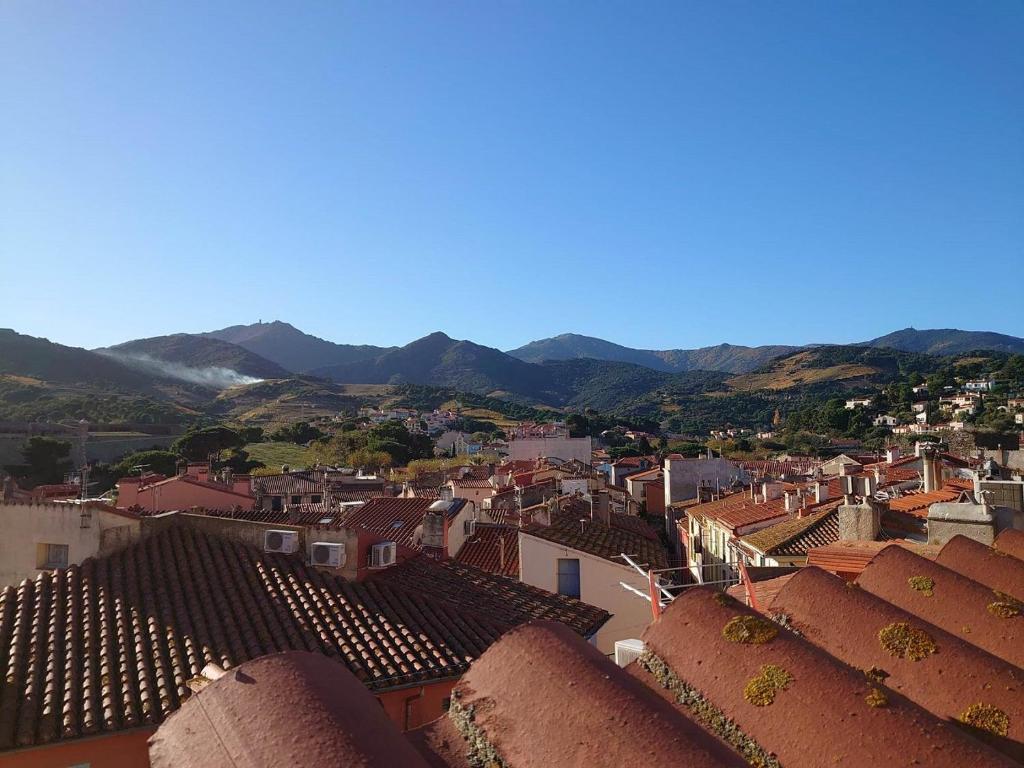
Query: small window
{"type": "Point", "coordinates": [276, 504]}
{"type": "Point", "coordinates": [296, 499]}
{"type": "Point", "coordinates": [569, 577]}
{"type": "Point", "coordinates": [50, 556]}
{"type": "Point", "coordinates": [316, 498]}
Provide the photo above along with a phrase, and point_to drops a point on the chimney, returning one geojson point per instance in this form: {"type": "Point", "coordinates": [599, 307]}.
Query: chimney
{"type": "Point", "coordinates": [771, 490]}
{"type": "Point", "coordinates": [931, 470]}
{"type": "Point", "coordinates": [820, 492]}
{"type": "Point", "coordinates": [792, 501]}
{"type": "Point", "coordinates": [447, 493]}
{"type": "Point", "coordinates": [842, 469]}
{"type": "Point", "coordinates": [600, 508]}
{"type": "Point", "coordinates": [859, 522]}
{"type": "Point", "coordinates": [892, 453]}
{"type": "Point", "coordinates": [433, 531]}
{"type": "Point", "coordinates": [241, 484]}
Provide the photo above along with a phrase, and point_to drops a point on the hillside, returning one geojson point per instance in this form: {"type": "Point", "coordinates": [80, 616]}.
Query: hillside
{"type": "Point", "coordinates": [731, 358]}
{"type": "Point", "coordinates": [948, 341]}
{"type": "Point", "coordinates": [291, 348]}
{"type": "Point", "coordinates": [836, 367]}
{"type": "Point", "coordinates": [40, 380]}
{"type": "Point", "coordinates": [198, 352]}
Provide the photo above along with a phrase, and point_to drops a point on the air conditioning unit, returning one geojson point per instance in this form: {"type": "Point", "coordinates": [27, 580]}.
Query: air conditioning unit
{"type": "Point", "coordinates": [327, 553]}
{"type": "Point", "coordinates": [469, 527]}
{"type": "Point", "coordinates": [627, 651]}
{"type": "Point", "coordinates": [382, 555]}
{"type": "Point", "coordinates": [281, 541]}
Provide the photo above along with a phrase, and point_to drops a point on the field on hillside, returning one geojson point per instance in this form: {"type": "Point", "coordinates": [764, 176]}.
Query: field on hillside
{"type": "Point", "coordinates": [275, 455]}
{"type": "Point", "coordinates": [798, 370]}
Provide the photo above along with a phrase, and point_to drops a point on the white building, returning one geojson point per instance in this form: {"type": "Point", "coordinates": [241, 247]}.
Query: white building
{"type": "Point", "coordinates": [43, 536]}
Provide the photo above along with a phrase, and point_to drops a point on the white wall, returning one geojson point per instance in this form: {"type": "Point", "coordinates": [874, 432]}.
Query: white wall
{"type": "Point", "coordinates": [24, 526]}
{"type": "Point", "coordinates": [565, 448]}
{"type": "Point", "coordinates": [599, 585]}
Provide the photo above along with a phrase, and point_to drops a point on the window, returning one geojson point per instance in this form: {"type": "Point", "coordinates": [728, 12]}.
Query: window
{"type": "Point", "coordinates": [51, 556]}
{"type": "Point", "coordinates": [316, 498]}
{"type": "Point", "coordinates": [296, 499]}
{"type": "Point", "coordinates": [569, 577]}
{"type": "Point", "coordinates": [275, 503]}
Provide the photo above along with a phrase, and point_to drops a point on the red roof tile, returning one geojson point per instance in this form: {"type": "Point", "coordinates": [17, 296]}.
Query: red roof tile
{"type": "Point", "coordinates": [493, 548]}
{"type": "Point", "coordinates": [986, 565]}
{"type": "Point", "coordinates": [789, 697]}
{"type": "Point", "coordinates": [396, 519]}
{"type": "Point", "coordinates": [846, 622]}
{"type": "Point", "coordinates": [110, 644]}
{"type": "Point", "coordinates": [953, 602]}
{"type": "Point", "coordinates": [312, 713]}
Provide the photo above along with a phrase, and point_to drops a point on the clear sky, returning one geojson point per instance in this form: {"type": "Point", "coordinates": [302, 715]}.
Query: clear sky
{"type": "Point", "coordinates": [658, 174]}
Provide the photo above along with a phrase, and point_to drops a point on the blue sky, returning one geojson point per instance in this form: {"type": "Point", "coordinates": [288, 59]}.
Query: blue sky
{"type": "Point", "coordinates": [660, 175]}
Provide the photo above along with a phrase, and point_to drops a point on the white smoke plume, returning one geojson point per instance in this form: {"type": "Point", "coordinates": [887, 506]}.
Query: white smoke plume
{"type": "Point", "coordinates": [211, 376]}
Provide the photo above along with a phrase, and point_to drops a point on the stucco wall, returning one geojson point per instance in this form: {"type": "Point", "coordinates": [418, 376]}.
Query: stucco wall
{"type": "Point", "coordinates": [683, 476]}
{"type": "Point", "coordinates": [599, 585]}
{"type": "Point", "coordinates": [565, 448]}
{"type": "Point", "coordinates": [24, 526]}
{"type": "Point", "coordinates": [127, 749]}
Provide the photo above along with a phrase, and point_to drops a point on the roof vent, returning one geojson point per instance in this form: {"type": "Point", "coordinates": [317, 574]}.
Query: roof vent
{"type": "Point", "coordinates": [328, 554]}
{"type": "Point", "coordinates": [281, 541]}
{"type": "Point", "coordinates": [384, 554]}
{"type": "Point", "coordinates": [469, 527]}
{"type": "Point", "coordinates": [627, 651]}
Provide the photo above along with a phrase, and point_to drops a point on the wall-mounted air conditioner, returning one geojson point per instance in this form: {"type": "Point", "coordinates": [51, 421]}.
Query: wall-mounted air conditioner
{"type": "Point", "coordinates": [469, 527]}
{"type": "Point", "coordinates": [327, 553]}
{"type": "Point", "coordinates": [627, 651]}
{"type": "Point", "coordinates": [384, 554]}
{"type": "Point", "coordinates": [281, 541]}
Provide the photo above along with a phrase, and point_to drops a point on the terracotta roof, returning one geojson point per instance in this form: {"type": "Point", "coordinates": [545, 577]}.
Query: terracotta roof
{"type": "Point", "coordinates": [792, 538]}
{"type": "Point", "coordinates": [110, 644]}
{"type": "Point", "coordinates": [847, 623]}
{"type": "Point", "coordinates": [294, 693]}
{"type": "Point", "coordinates": [738, 510]}
{"type": "Point", "coordinates": [301, 483]}
{"type": "Point", "coordinates": [920, 502]}
{"type": "Point", "coordinates": [359, 494]}
{"type": "Point", "coordinates": [1011, 542]}
{"type": "Point", "coordinates": [759, 594]}
{"type": "Point", "coordinates": [397, 519]}
{"type": "Point", "coordinates": [472, 482]}
{"type": "Point", "coordinates": [596, 538]}
{"type": "Point", "coordinates": [986, 565]}
{"type": "Point", "coordinates": [635, 525]}
{"type": "Point", "coordinates": [952, 601]}
{"type": "Point", "coordinates": [297, 514]}
{"type": "Point", "coordinates": [501, 599]}
{"type": "Point", "coordinates": [649, 475]}
{"type": "Point", "coordinates": [493, 548]}
{"type": "Point", "coordinates": [779, 695]}
{"type": "Point", "coordinates": [852, 557]}
{"type": "Point", "coordinates": [594, 713]}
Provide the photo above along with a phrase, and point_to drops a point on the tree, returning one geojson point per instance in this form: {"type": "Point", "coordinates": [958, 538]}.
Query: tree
{"type": "Point", "coordinates": [45, 461]}
{"type": "Point", "coordinates": [366, 459]}
{"type": "Point", "coordinates": [204, 444]}
{"type": "Point", "coordinates": [299, 433]}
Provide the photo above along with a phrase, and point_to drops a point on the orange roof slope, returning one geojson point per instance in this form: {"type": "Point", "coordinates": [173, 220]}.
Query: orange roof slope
{"type": "Point", "coordinates": [493, 548]}
{"type": "Point", "coordinates": [849, 623]}
{"type": "Point", "coordinates": [607, 541]}
{"type": "Point", "coordinates": [108, 645]}
{"type": "Point", "coordinates": [985, 565]}
{"type": "Point", "coordinates": [946, 599]}
{"type": "Point", "coordinates": [791, 699]}
{"type": "Point", "coordinates": [1011, 541]}
{"type": "Point", "coordinates": [541, 696]}
{"type": "Point", "coordinates": [502, 599]}
{"type": "Point", "coordinates": [854, 556]}
{"type": "Point", "coordinates": [312, 713]}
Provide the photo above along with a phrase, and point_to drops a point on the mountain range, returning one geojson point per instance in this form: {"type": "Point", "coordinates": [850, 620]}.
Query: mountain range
{"type": "Point", "coordinates": [183, 374]}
